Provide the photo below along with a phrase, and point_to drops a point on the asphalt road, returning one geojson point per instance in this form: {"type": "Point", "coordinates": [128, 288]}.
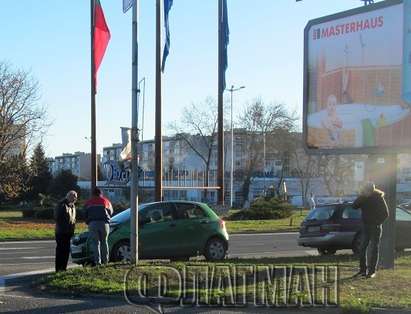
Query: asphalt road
{"type": "Point", "coordinates": [20, 260]}
{"type": "Point", "coordinates": [28, 256]}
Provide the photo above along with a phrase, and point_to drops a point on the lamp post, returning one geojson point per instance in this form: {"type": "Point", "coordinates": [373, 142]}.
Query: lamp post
{"type": "Point", "coordinates": [232, 90]}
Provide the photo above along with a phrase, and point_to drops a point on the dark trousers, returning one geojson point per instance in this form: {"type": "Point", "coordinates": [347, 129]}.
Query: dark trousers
{"type": "Point", "coordinates": [371, 235]}
{"type": "Point", "coordinates": [62, 250]}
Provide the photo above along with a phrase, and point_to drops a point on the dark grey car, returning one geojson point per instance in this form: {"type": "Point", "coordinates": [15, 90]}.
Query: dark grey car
{"type": "Point", "coordinates": [333, 227]}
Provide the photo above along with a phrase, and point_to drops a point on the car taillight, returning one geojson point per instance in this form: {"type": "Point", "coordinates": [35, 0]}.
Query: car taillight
{"type": "Point", "coordinates": [222, 224]}
{"type": "Point", "coordinates": [330, 228]}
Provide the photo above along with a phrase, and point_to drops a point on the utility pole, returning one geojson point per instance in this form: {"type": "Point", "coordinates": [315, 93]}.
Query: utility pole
{"type": "Point", "coordinates": [134, 140]}
{"type": "Point", "coordinates": [158, 193]}
{"type": "Point", "coordinates": [231, 90]}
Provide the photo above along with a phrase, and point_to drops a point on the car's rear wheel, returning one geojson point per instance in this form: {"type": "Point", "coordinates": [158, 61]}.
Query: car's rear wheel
{"type": "Point", "coordinates": [121, 251]}
{"type": "Point", "coordinates": [326, 251]}
{"type": "Point", "coordinates": [356, 244]}
{"type": "Point", "coordinates": [215, 250]}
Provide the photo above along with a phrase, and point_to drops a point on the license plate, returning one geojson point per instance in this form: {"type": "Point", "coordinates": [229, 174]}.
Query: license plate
{"type": "Point", "coordinates": [76, 249]}
{"type": "Point", "coordinates": [313, 229]}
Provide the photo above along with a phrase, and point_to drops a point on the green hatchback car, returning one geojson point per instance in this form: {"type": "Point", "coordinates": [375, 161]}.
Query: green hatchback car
{"type": "Point", "coordinates": [173, 230]}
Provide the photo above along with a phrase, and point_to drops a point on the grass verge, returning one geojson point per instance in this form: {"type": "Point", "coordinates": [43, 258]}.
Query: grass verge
{"type": "Point", "coordinates": [260, 226]}
{"type": "Point", "coordinates": [14, 227]}
{"type": "Point", "coordinates": [390, 289]}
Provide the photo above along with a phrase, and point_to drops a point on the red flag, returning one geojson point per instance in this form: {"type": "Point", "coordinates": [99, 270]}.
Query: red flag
{"type": "Point", "coordinates": [101, 37]}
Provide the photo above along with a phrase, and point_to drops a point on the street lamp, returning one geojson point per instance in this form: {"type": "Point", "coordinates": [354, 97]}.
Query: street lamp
{"type": "Point", "coordinates": [232, 90]}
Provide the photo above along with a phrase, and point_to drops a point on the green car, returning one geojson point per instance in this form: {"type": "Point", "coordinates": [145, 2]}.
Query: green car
{"type": "Point", "coordinates": [173, 230]}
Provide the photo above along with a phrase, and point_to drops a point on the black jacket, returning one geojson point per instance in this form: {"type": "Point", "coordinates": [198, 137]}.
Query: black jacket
{"type": "Point", "coordinates": [65, 217]}
{"type": "Point", "coordinates": [373, 207]}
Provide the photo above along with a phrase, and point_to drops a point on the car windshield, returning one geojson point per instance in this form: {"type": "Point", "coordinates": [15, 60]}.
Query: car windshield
{"type": "Point", "coordinates": [124, 215]}
{"type": "Point", "coordinates": [321, 213]}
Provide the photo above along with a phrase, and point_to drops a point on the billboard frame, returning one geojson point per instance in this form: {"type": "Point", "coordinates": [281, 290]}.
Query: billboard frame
{"type": "Point", "coordinates": [340, 151]}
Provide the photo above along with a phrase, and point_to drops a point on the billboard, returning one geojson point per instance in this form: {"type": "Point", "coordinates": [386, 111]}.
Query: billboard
{"type": "Point", "coordinates": [357, 80]}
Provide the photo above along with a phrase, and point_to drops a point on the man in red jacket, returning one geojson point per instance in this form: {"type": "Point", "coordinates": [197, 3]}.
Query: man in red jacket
{"type": "Point", "coordinates": [98, 211]}
{"type": "Point", "coordinates": [374, 212]}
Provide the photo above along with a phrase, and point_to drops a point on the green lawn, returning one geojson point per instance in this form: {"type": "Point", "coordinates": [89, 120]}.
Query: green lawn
{"type": "Point", "coordinates": [259, 226]}
{"type": "Point", "coordinates": [14, 227]}
{"type": "Point", "coordinates": [390, 289]}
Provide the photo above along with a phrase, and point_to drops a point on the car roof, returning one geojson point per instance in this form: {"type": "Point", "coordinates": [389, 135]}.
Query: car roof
{"type": "Point", "coordinates": [333, 204]}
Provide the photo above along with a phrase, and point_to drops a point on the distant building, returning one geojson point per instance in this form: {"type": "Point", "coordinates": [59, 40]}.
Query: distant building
{"type": "Point", "coordinates": [79, 163]}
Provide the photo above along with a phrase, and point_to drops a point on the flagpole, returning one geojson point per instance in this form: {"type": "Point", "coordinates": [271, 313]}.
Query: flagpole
{"type": "Point", "coordinates": [93, 103]}
{"type": "Point", "coordinates": [220, 127]}
{"type": "Point", "coordinates": [134, 139]}
{"type": "Point", "coordinates": [158, 193]}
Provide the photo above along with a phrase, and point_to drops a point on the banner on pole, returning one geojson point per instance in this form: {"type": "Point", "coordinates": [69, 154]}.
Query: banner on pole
{"type": "Point", "coordinates": [127, 4]}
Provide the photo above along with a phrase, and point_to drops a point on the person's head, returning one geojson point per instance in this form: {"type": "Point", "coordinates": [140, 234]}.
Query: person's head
{"type": "Point", "coordinates": [71, 196]}
{"type": "Point", "coordinates": [97, 192]}
{"type": "Point", "coordinates": [368, 188]}
{"type": "Point", "coordinates": [331, 104]}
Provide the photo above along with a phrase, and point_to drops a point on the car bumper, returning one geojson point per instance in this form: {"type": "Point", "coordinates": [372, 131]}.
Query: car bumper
{"type": "Point", "coordinates": [78, 253]}
{"type": "Point", "coordinates": [336, 239]}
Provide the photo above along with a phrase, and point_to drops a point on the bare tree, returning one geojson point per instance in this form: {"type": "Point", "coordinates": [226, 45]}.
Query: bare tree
{"type": "Point", "coordinates": [21, 116]}
{"type": "Point", "coordinates": [262, 123]}
{"type": "Point", "coordinates": [336, 172]}
{"type": "Point", "coordinates": [306, 168]}
{"type": "Point", "coordinates": [197, 129]}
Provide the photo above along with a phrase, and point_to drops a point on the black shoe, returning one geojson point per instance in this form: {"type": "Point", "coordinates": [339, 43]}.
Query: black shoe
{"type": "Point", "coordinates": [360, 274]}
{"type": "Point", "coordinates": [371, 275]}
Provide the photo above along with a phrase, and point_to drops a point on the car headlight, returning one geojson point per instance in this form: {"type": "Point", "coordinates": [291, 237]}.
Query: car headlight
{"type": "Point", "coordinates": [79, 239]}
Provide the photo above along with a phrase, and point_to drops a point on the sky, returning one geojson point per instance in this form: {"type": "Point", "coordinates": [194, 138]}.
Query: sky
{"type": "Point", "coordinates": [51, 39]}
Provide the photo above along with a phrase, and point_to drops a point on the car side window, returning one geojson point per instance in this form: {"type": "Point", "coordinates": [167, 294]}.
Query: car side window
{"type": "Point", "coordinates": [189, 211]}
{"type": "Point", "coordinates": [351, 213]}
{"type": "Point", "coordinates": [402, 215]}
{"type": "Point", "coordinates": [157, 213]}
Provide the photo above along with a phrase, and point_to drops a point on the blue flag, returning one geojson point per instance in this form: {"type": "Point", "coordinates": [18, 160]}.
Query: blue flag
{"type": "Point", "coordinates": [225, 40]}
{"type": "Point", "coordinates": [167, 7]}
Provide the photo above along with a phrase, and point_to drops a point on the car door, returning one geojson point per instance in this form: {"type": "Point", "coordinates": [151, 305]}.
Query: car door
{"type": "Point", "coordinates": [191, 227]}
{"type": "Point", "coordinates": [350, 224]}
{"type": "Point", "coordinates": [157, 237]}
{"type": "Point", "coordinates": [403, 228]}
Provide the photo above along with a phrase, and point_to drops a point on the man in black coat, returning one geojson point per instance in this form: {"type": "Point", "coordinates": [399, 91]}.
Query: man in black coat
{"type": "Point", "coordinates": [374, 212]}
{"type": "Point", "coordinates": [65, 217]}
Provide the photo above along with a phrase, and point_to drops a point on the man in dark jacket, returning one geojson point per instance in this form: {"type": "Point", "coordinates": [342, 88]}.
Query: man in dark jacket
{"type": "Point", "coordinates": [65, 217]}
{"type": "Point", "coordinates": [98, 211]}
{"type": "Point", "coordinates": [374, 211]}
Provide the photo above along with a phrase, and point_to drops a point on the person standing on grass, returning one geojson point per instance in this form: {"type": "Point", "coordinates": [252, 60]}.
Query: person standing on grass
{"type": "Point", "coordinates": [98, 211]}
{"type": "Point", "coordinates": [374, 212]}
{"type": "Point", "coordinates": [65, 217]}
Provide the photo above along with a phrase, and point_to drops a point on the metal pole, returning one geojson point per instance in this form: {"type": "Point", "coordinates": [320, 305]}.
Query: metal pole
{"type": "Point", "coordinates": [232, 151]}
{"type": "Point", "coordinates": [93, 104]}
{"type": "Point", "coordinates": [220, 118]}
{"type": "Point", "coordinates": [158, 192]}
{"type": "Point", "coordinates": [143, 80]}
{"type": "Point", "coordinates": [265, 177]}
{"type": "Point", "coordinates": [134, 140]}
{"type": "Point", "coordinates": [388, 234]}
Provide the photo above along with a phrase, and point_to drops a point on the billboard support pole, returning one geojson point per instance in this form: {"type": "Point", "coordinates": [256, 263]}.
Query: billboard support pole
{"type": "Point", "coordinates": [388, 235]}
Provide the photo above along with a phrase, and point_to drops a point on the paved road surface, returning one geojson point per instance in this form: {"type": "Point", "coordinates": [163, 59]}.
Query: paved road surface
{"type": "Point", "coordinates": [25, 256]}
{"type": "Point", "coordinates": [31, 257]}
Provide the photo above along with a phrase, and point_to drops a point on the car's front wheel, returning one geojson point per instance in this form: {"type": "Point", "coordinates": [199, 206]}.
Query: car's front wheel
{"type": "Point", "coordinates": [215, 250]}
{"type": "Point", "coordinates": [121, 251]}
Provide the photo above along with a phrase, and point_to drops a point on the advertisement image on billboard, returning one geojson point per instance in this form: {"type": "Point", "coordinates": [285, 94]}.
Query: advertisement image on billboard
{"type": "Point", "coordinates": [357, 86]}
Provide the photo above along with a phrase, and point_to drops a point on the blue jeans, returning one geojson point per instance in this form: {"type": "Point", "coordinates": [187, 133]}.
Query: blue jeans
{"type": "Point", "coordinates": [99, 231]}
{"type": "Point", "coordinates": [371, 235]}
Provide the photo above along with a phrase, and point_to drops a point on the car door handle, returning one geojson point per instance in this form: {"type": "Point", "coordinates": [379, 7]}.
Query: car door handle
{"type": "Point", "coordinates": [172, 225]}
{"type": "Point", "coordinates": [204, 222]}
